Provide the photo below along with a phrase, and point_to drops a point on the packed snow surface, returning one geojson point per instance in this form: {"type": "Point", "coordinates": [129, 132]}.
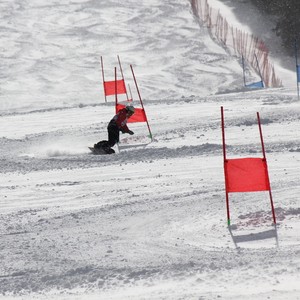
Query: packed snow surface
{"type": "Point", "coordinates": [148, 222]}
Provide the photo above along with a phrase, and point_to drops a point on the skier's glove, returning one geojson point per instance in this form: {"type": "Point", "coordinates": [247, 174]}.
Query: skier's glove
{"type": "Point", "coordinates": [130, 132]}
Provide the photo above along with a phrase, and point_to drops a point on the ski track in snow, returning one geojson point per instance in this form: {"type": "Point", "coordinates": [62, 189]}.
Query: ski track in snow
{"type": "Point", "coordinates": [108, 227]}
{"type": "Point", "coordinates": [148, 222]}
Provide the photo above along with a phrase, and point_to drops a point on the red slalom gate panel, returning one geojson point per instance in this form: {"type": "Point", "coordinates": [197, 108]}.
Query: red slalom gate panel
{"type": "Point", "coordinates": [113, 87]}
{"type": "Point", "coordinates": [138, 116]}
{"type": "Point", "coordinates": [116, 86]}
{"type": "Point", "coordinates": [246, 174]}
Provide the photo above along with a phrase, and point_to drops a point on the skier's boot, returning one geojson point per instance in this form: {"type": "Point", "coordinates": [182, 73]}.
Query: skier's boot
{"type": "Point", "coordinates": [101, 144]}
{"type": "Point", "coordinates": [104, 146]}
{"type": "Point", "coordinates": [107, 149]}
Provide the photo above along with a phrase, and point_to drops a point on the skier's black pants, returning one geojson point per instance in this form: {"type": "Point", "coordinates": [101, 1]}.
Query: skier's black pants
{"type": "Point", "coordinates": [113, 134]}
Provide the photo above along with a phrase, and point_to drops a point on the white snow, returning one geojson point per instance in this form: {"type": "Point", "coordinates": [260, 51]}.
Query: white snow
{"type": "Point", "coordinates": [150, 221]}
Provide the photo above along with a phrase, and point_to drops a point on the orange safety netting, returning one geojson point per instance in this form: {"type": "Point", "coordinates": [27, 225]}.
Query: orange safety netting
{"type": "Point", "coordinates": [110, 87]}
{"type": "Point", "coordinates": [246, 175]}
{"type": "Point", "coordinates": [138, 116]}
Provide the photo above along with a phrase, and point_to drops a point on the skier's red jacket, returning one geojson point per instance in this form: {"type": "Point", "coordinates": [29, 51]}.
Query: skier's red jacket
{"type": "Point", "coordinates": [121, 119]}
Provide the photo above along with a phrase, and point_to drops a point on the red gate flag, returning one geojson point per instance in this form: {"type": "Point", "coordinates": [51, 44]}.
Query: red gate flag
{"type": "Point", "coordinates": [110, 87]}
{"type": "Point", "coordinates": [138, 116]}
{"type": "Point", "coordinates": [114, 87]}
{"type": "Point", "coordinates": [246, 175]}
{"type": "Point", "coordinates": [139, 113]}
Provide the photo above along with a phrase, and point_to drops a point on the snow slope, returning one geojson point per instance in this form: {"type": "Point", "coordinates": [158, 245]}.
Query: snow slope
{"type": "Point", "coordinates": [54, 47]}
{"type": "Point", "coordinates": [150, 221]}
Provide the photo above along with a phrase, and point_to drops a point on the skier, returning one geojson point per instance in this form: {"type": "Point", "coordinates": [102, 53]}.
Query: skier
{"type": "Point", "coordinates": [118, 123]}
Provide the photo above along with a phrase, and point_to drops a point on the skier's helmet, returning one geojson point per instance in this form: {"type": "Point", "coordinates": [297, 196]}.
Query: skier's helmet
{"type": "Point", "coordinates": [130, 109]}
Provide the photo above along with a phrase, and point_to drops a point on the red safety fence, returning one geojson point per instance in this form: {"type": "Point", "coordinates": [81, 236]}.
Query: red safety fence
{"type": "Point", "coordinates": [237, 41]}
